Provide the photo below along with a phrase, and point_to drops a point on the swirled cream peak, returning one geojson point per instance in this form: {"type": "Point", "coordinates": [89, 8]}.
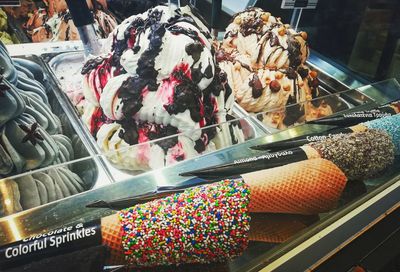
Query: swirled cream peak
{"type": "Point", "coordinates": [264, 60]}
{"type": "Point", "coordinates": [266, 40]}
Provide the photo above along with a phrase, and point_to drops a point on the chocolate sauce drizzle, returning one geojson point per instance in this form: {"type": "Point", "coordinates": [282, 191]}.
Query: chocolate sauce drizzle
{"type": "Point", "coordinates": [187, 95]}
{"type": "Point", "coordinates": [164, 131]}
{"type": "Point", "coordinates": [91, 64]}
{"type": "Point", "coordinates": [256, 86]}
{"type": "Point", "coordinates": [194, 49]}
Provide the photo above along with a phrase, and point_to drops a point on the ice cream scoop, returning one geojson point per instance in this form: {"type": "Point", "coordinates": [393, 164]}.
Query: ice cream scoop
{"type": "Point", "coordinates": [157, 79]}
{"type": "Point", "coordinates": [52, 22]}
{"type": "Point", "coordinates": [265, 64]}
{"type": "Point", "coordinates": [39, 188]}
{"type": "Point", "coordinates": [266, 40]}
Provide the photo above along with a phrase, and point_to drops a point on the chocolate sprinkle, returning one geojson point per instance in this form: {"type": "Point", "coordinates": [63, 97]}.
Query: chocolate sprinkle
{"type": "Point", "coordinates": [32, 134]}
{"type": "Point", "coordinates": [359, 155]}
{"type": "Point", "coordinates": [303, 72]}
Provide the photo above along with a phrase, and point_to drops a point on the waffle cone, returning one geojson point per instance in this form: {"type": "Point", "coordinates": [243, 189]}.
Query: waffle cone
{"type": "Point", "coordinates": [112, 238]}
{"type": "Point", "coordinates": [305, 187]}
{"type": "Point", "coordinates": [277, 228]}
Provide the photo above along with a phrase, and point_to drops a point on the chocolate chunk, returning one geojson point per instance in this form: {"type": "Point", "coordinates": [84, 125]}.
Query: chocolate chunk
{"type": "Point", "coordinates": [250, 26]}
{"type": "Point", "coordinates": [293, 113]}
{"type": "Point", "coordinates": [221, 55]}
{"type": "Point", "coordinates": [208, 71]}
{"type": "Point", "coordinates": [294, 52]}
{"type": "Point", "coordinates": [129, 133]}
{"type": "Point", "coordinates": [274, 40]}
{"type": "Point", "coordinates": [291, 73]}
{"type": "Point", "coordinates": [194, 50]}
{"type": "Point", "coordinates": [160, 131]}
{"type": "Point", "coordinates": [275, 86]}
{"type": "Point", "coordinates": [186, 96]}
{"type": "Point", "coordinates": [303, 72]}
{"type": "Point", "coordinates": [199, 146]}
{"type": "Point", "coordinates": [256, 86]}
{"type": "Point", "coordinates": [131, 94]}
{"type": "Point", "coordinates": [91, 64]}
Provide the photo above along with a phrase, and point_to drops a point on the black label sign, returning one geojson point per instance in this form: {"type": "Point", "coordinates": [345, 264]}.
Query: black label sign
{"type": "Point", "coordinates": [59, 241]}
{"type": "Point", "coordinates": [8, 3]}
{"type": "Point", "coordinates": [286, 156]}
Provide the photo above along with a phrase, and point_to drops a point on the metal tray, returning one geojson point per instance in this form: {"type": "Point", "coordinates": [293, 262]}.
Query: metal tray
{"type": "Point", "coordinates": [68, 65]}
{"type": "Point", "coordinates": [90, 171]}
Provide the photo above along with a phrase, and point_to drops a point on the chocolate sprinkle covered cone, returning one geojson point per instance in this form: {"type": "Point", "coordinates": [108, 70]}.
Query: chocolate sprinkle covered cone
{"type": "Point", "coordinates": [306, 187]}
{"type": "Point", "coordinates": [112, 238]}
{"type": "Point", "coordinates": [359, 155]}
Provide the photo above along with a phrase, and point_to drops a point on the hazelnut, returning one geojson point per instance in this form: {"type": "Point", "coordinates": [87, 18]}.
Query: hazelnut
{"type": "Point", "coordinates": [286, 87]}
{"type": "Point", "coordinates": [275, 86]}
{"type": "Point", "coordinates": [265, 16]}
{"type": "Point", "coordinates": [238, 20]}
{"type": "Point", "coordinates": [282, 31]}
{"type": "Point", "coordinates": [278, 75]}
{"type": "Point", "coordinates": [304, 35]}
{"type": "Point", "coordinates": [276, 116]}
{"type": "Point", "coordinates": [313, 74]}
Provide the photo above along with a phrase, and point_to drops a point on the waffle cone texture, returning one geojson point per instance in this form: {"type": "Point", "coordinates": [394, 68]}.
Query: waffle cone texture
{"type": "Point", "coordinates": [112, 237]}
{"type": "Point", "coordinates": [211, 222]}
{"type": "Point", "coordinates": [306, 187]}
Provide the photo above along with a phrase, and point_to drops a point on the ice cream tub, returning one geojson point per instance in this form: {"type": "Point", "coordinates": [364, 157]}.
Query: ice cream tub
{"type": "Point", "coordinates": [41, 139]}
{"type": "Point", "coordinates": [67, 69]}
{"type": "Point", "coordinates": [333, 97]}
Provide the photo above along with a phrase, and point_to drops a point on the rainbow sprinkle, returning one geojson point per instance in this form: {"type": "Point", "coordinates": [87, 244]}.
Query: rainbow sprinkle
{"type": "Point", "coordinates": [203, 224]}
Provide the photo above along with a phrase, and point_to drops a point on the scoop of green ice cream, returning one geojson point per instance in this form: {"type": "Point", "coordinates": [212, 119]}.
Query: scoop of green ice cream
{"type": "Point", "coordinates": [6, 38]}
{"type": "Point", "coordinates": [3, 20]}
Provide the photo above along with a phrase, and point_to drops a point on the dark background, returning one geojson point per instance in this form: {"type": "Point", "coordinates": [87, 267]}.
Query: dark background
{"type": "Point", "coordinates": [362, 36]}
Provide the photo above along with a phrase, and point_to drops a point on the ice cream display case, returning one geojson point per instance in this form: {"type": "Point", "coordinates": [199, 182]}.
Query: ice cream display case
{"type": "Point", "coordinates": [177, 150]}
